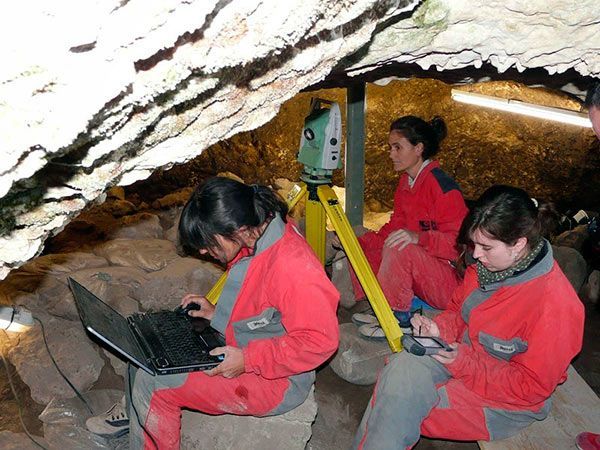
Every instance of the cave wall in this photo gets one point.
(550, 160)
(98, 93)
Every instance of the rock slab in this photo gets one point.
(290, 431)
(358, 360)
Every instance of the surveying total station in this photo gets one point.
(320, 154)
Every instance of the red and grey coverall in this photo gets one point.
(516, 340)
(434, 208)
(278, 306)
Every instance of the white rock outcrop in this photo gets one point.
(99, 93)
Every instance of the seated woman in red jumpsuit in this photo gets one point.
(514, 325)
(277, 312)
(413, 253)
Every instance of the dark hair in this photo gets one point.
(592, 97)
(417, 130)
(221, 206)
(504, 213)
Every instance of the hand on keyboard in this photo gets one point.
(197, 306)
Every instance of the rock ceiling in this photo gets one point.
(97, 93)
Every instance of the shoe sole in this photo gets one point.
(359, 323)
(118, 434)
(372, 338)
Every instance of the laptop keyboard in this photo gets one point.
(172, 332)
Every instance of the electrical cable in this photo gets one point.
(137, 416)
(60, 371)
(14, 392)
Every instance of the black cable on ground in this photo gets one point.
(14, 392)
(60, 371)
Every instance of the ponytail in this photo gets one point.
(416, 130)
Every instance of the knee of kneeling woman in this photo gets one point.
(408, 253)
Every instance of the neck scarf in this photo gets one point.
(486, 276)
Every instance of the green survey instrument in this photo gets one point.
(320, 154)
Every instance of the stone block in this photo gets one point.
(591, 289)
(572, 238)
(73, 352)
(64, 422)
(165, 288)
(147, 254)
(358, 360)
(572, 264)
(138, 226)
(113, 285)
(19, 441)
(290, 431)
(340, 277)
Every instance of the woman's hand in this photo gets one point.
(232, 365)
(207, 309)
(424, 326)
(446, 357)
(401, 238)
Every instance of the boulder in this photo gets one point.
(19, 441)
(138, 226)
(172, 234)
(178, 198)
(340, 277)
(165, 288)
(358, 360)
(114, 285)
(117, 192)
(44, 270)
(118, 208)
(64, 422)
(169, 217)
(572, 238)
(72, 350)
(572, 264)
(146, 254)
(591, 289)
(290, 431)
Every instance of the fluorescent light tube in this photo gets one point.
(527, 109)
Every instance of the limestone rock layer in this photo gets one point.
(98, 93)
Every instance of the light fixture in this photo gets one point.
(15, 319)
(518, 107)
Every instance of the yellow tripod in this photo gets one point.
(322, 203)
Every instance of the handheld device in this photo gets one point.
(424, 345)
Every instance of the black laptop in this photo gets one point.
(161, 342)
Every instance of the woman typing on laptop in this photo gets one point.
(277, 312)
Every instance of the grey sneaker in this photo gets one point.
(372, 331)
(113, 423)
(364, 319)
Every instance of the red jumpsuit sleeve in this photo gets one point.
(450, 321)
(530, 377)
(307, 302)
(450, 210)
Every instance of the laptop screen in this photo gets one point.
(106, 323)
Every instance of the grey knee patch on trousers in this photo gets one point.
(502, 423)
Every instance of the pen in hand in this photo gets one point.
(419, 330)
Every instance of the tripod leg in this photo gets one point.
(315, 227)
(361, 266)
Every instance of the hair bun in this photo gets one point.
(439, 127)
